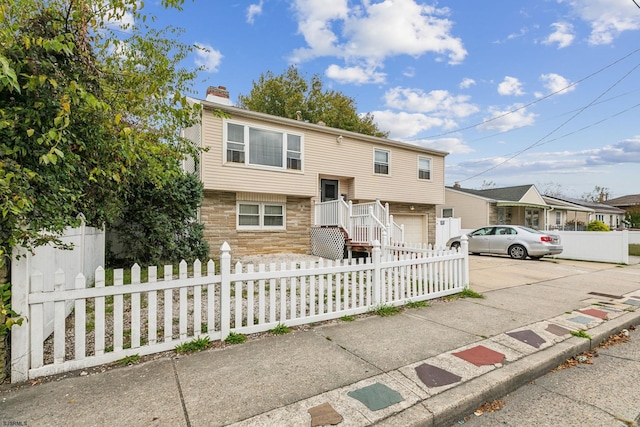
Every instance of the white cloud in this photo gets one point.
(374, 31)
(580, 163)
(450, 145)
(513, 117)
(563, 35)
(510, 86)
(406, 125)
(466, 83)
(607, 18)
(357, 75)
(207, 57)
(555, 83)
(627, 151)
(440, 103)
(253, 11)
(118, 18)
(409, 72)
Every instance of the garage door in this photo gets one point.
(414, 227)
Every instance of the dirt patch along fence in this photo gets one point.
(112, 321)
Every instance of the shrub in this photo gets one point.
(597, 226)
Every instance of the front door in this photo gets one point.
(329, 190)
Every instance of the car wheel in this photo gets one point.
(517, 252)
(455, 245)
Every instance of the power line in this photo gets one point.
(619, 113)
(539, 141)
(530, 103)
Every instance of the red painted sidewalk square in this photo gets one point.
(480, 355)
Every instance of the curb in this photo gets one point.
(446, 408)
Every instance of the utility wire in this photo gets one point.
(619, 113)
(539, 141)
(559, 115)
(530, 103)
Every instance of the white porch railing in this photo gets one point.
(363, 222)
(111, 322)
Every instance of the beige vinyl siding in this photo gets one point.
(239, 178)
(532, 196)
(350, 161)
(473, 210)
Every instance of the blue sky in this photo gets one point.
(518, 92)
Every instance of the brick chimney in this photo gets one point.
(218, 94)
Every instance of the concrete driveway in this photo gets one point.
(492, 272)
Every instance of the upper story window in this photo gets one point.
(381, 162)
(424, 168)
(263, 147)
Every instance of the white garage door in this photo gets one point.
(414, 227)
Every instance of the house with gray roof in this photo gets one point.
(518, 205)
(568, 213)
(524, 205)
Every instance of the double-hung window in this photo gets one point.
(381, 162)
(261, 216)
(424, 168)
(260, 147)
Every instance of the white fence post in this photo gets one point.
(377, 272)
(225, 291)
(20, 271)
(464, 247)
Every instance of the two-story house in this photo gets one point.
(273, 184)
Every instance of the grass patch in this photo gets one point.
(581, 334)
(634, 250)
(193, 346)
(466, 293)
(348, 318)
(417, 304)
(280, 329)
(385, 310)
(234, 338)
(129, 360)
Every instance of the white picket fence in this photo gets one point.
(109, 323)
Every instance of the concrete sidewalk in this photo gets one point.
(425, 366)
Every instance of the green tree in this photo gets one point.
(158, 224)
(81, 121)
(290, 95)
(632, 216)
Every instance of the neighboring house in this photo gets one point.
(581, 212)
(627, 203)
(565, 215)
(519, 205)
(273, 184)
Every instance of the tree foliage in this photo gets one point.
(158, 224)
(90, 110)
(81, 121)
(289, 95)
(632, 216)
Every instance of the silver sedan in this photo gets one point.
(514, 240)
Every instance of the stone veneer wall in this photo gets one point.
(218, 214)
